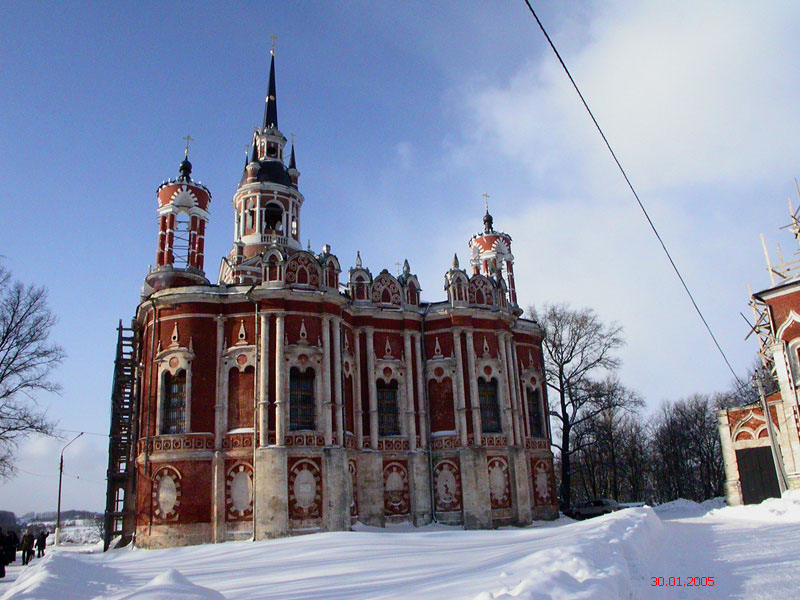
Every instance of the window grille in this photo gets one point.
(388, 418)
(175, 403)
(490, 410)
(301, 399)
(535, 413)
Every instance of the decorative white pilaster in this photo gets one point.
(411, 425)
(523, 399)
(423, 414)
(337, 377)
(281, 414)
(507, 409)
(473, 391)
(219, 404)
(358, 413)
(263, 383)
(461, 397)
(326, 381)
(373, 392)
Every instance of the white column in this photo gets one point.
(373, 392)
(258, 214)
(515, 401)
(326, 381)
(423, 415)
(219, 404)
(508, 413)
(411, 426)
(281, 414)
(357, 411)
(473, 391)
(263, 383)
(461, 397)
(523, 400)
(337, 380)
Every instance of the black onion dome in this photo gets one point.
(185, 168)
(273, 171)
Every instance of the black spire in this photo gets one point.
(254, 154)
(292, 163)
(271, 108)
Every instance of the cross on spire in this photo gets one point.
(486, 200)
(274, 39)
(187, 139)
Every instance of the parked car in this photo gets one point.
(593, 508)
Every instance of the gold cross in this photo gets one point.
(188, 139)
(486, 200)
(291, 134)
(274, 39)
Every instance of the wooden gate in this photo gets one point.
(757, 474)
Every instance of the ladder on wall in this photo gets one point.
(119, 517)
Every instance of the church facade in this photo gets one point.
(290, 397)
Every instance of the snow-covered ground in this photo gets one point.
(750, 552)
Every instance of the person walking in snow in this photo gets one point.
(10, 545)
(27, 547)
(3, 538)
(41, 543)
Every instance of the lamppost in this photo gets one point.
(60, 475)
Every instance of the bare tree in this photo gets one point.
(578, 352)
(686, 450)
(26, 361)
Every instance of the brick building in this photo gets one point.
(762, 456)
(291, 398)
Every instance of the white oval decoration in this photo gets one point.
(241, 491)
(167, 494)
(305, 489)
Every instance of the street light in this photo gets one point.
(60, 474)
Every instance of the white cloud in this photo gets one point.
(688, 93)
(699, 102)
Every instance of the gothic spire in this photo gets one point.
(292, 162)
(271, 108)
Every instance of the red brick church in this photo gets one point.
(290, 398)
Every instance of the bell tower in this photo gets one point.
(182, 217)
(491, 254)
(267, 202)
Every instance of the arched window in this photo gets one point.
(388, 418)
(174, 403)
(272, 269)
(535, 413)
(273, 217)
(240, 398)
(490, 409)
(301, 399)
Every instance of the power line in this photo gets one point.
(65, 475)
(83, 432)
(635, 195)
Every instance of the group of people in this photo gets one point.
(10, 543)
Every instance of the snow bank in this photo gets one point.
(172, 586)
(599, 559)
(783, 509)
(63, 576)
(604, 561)
(679, 508)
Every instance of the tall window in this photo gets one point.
(174, 403)
(490, 410)
(301, 399)
(388, 419)
(535, 413)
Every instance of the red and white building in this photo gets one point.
(762, 455)
(289, 397)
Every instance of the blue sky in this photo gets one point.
(405, 113)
